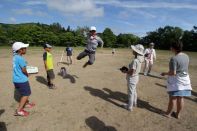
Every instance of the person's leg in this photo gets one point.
(131, 95)
(145, 66)
(91, 59)
(23, 101)
(135, 98)
(171, 103)
(180, 104)
(150, 65)
(68, 60)
(71, 61)
(52, 77)
(82, 55)
(48, 79)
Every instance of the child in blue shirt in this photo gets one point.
(20, 78)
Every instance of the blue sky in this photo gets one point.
(122, 16)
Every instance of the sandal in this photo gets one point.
(21, 113)
(174, 114)
(30, 105)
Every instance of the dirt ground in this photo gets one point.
(89, 99)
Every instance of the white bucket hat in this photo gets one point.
(18, 45)
(138, 49)
(92, 28)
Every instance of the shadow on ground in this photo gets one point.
(161, 85)
(41, 80)
(72, 78)
(154, 75)
(97, 125)
(2, 124)
(108, 95)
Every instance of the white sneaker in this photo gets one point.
(127, 107)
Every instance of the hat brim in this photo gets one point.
(136, 50)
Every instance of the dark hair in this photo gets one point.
(178, 46)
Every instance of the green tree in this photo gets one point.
(109, 38)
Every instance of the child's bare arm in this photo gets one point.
(24, 70)
(45, 65)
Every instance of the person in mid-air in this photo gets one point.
(90, 50)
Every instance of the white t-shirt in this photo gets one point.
(151, 54)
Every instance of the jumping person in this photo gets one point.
(48, 64)
(20, 78)
(149, 56)
(132, 75)
(90, 50)
(178, 83)
(69, 52)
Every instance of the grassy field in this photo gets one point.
(89, 99)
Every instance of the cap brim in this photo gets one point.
(25, 45)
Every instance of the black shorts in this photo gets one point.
(69, 54)
(50, 74)
(23, 88)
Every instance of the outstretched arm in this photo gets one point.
(100, 42)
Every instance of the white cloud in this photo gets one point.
(125, 23)
(12, 20)
(137, 4)
(23, 11)
(85, 8)
(126, 14)
(27, 11)
(35, 2)
(143, 13)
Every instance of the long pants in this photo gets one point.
(148, 66)
(87, 53)
(132, 93)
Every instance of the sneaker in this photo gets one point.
(145, 74)
(125, 106)
(21, 113)
(135, 104)
(52, 86)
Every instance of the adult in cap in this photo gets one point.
(132, 75)
(92, 42)
(150, 56)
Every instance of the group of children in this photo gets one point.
(20, 75)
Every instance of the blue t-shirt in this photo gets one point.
(18, 75)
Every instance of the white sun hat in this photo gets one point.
(92, 28)
(138, 49)
(18, 45)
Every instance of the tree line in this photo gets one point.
(37, 34)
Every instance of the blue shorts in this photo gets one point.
(23, 88)
(180, 93)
